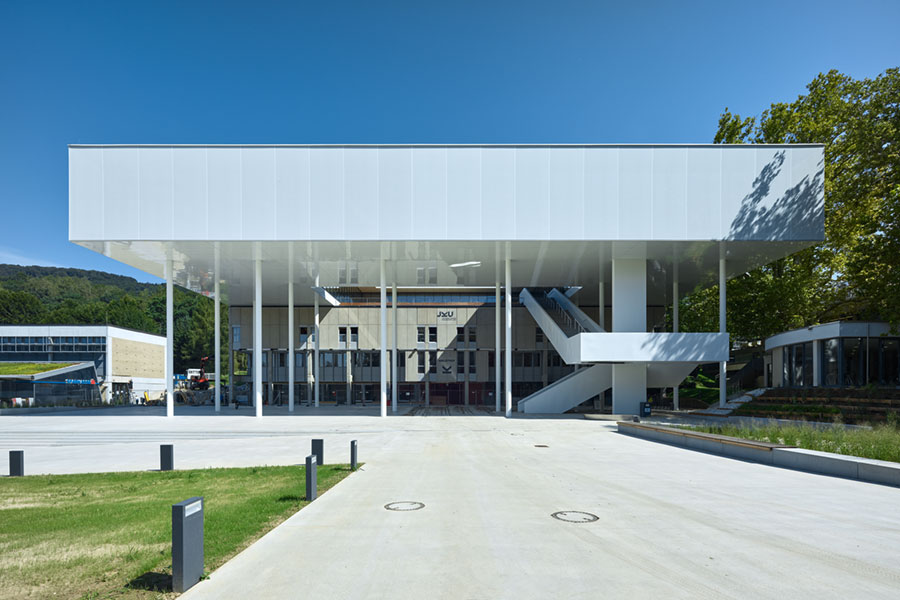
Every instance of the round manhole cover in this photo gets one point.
(574, 516)
(402, 506)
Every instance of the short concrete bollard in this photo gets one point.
(166, 457)
(311, 483)
(187, 543)
(318, 448)
(352, 455)
(16, 463)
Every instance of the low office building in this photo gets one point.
(587, 245)
(838, 354)
(124, 361)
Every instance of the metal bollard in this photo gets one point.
(166, 457)
(318, 448)
(352, 455)
(187, 543)
(311, 484)
(16, 463)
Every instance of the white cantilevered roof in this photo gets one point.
(562, 208)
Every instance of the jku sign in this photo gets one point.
(446, 316)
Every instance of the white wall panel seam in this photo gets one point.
(205, 187)
(720, 221)
(615, 204)
(241, 191)
(140, 197)
(103, 193)
(684, 205)
(652, 190)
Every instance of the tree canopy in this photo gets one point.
(853, 273)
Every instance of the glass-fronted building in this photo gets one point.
(839, 354)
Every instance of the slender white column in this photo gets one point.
(497, 350)
(316, 352)
(722, 371)
(394, 383)
(218, 342)
(170, 344)
(675, 322)
(601, 317)
(290, 321)
(257, 339)
(629, 314)
(383, 290)
(508, 365)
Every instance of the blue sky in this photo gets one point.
(390, 72)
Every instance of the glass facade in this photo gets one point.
(845, 362)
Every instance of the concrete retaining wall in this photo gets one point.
(788, 457)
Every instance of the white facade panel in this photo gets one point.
(157, 219)
(430, 210)
(86, 213)
(187, 192)
(258, 193)
(532, 183)
(635, 192)
(498, 194)
(326, 168)
(565, 187)
(464, 194)
(601, 194)
(803, 207)
(433, 193)
(738, 196)
(292, 205)
(224, 185)
(704, 193)
(121, 194)
(669, 194)
(395, 194)
(361, 192)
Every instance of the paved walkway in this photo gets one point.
(672, 523)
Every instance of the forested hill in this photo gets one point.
(11, 275)
(54, 296)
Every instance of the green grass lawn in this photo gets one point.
(29, 368)
(108, 535)
(881, 442)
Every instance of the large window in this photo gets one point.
(890, 362)
(830, 364)
(853, 362)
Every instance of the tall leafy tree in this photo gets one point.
(853, 274)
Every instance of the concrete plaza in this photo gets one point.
(672, 523)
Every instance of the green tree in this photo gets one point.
(20, 308)
(853, 274)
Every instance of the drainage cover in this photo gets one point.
(575, 516)
(401, 506)
(541, 446)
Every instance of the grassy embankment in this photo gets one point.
(108, 535)
(881, 442)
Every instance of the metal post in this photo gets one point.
(311, 487)
(394, 383)
(218, 335)
(383, 290)
(353, 462)
(170, 342)
(187, 543)
(722, 370)
(16, 463)
(318, 448)
(290, 321)
(497, 319)
(675, 402)
(230, 358)
(508, 366)
(166, 457)
(316, 353)
(257, 339)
